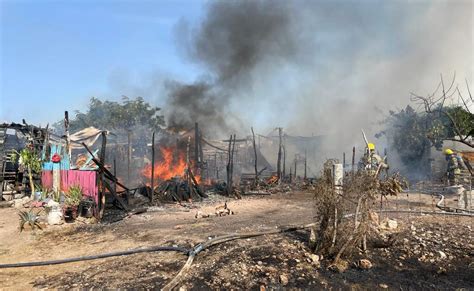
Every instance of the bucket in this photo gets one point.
(37, 196)
(86, 208)
(55, 215)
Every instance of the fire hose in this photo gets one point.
(451, 209)
(95, 257)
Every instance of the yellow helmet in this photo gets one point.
(448, 152)
(371, 146)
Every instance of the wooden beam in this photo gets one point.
(108, 174)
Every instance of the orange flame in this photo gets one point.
(167, 168)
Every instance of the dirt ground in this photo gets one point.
(431, 251)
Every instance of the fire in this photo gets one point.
(168, 167)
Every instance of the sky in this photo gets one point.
(55, 55)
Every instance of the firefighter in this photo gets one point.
(453, 170)
(372, 161)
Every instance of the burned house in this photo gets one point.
(13, 138)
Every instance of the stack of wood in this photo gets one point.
(179, 189)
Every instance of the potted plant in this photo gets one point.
(73, 198)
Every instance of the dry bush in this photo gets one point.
(343, 215)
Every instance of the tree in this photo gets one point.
(131, 116)
(407, 133)
(29, 158)
(116, 116)
(451, 119)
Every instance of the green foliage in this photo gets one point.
(117, 116)
(463, 121)
(74, 195)
(56, 196)
(28, 157)
(411, 134)
(408, 133)
(29, 217)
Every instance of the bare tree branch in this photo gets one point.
(439, 105)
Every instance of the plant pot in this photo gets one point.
(86, 208)
(70, 213)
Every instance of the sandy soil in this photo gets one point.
(270, 261)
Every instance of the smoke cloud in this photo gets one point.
(317, 67)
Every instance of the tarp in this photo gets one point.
(87, 135)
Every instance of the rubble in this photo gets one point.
(389, 224)
(284, 280)
(364, 264)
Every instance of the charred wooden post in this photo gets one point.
(284, 161)
(353, 158)
(188, 169)
(129, 154)
(305, 165)
(115, 183)
(216, 167)
(255, 153)
(201, 152)
(279, 154)
(232, 166)
(101, 199)
(196, 147)
(296, 161)
(291, 175)
(107, 173)
(66, 130)
(343, 160)
(152, 182)
(229, 153)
